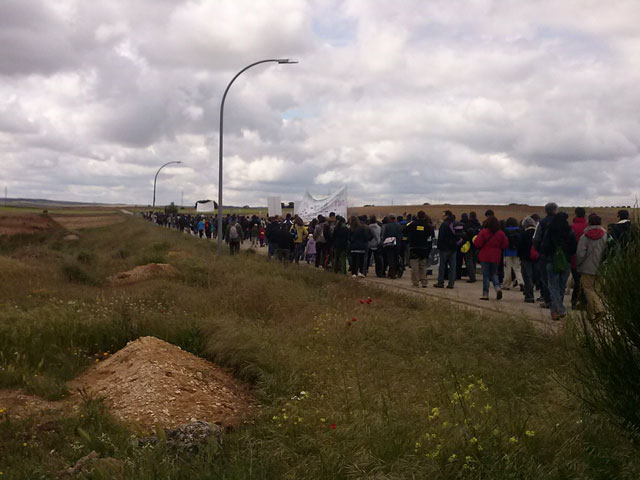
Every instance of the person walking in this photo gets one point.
(447, 246)
(270, 235)
(551, 209)
(255, 232)
(310, 250)
(391, 240)
(420, 237)
(591, 247)
(374, 250)
(578, 226)
(284, 243)
(234, 236)
(491, 241)
(528, 258)
(511, 259)
(300, 235)
(557, 246)
(340, 245)
(621, 231)
(360, 236)
(321, 241)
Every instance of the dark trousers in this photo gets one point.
(391, 254)
(577, 297)
(234, 247)
(357, 263)
(376, 256)
(544, 281)
(447, 259)
(470, 262)
(340, 260)
(321, 253)
(526, 267)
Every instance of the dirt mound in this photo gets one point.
(142, 273)
(153, 382)
(17, 404)
(25, 223)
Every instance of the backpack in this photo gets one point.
(560, 262)
(233, 232)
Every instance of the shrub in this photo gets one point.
(75, 273)
(608, 347)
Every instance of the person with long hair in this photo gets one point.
(491, 241)
(558, 245)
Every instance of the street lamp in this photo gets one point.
(156, 178)
(276, 60)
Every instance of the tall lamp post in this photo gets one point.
(156, 179)
(275, 60)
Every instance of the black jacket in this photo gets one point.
(360, 238)
(447, 239)
(558, 234)
(340, 237)
(525, 243)
(420, 234)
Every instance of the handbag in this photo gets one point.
(533, 254)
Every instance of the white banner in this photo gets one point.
(275, 206)
(205, 207)
(308, 208)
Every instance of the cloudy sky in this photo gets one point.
(475, 101)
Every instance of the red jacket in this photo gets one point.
(578, 225)
(491, 245)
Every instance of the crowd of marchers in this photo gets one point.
(535, 256)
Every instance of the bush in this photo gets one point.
(75, 273)
(608, 347)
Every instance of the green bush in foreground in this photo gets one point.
(608, 353)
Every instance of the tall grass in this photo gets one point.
(410, 389)
(608, 353)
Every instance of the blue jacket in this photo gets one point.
(513, 235)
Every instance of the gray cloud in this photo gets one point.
(421, 101)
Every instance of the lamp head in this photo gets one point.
(286, 60)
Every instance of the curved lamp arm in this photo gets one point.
(224, 97)
(156, 179)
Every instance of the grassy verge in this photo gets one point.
(398, 388)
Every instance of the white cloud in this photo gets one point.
(457, 101)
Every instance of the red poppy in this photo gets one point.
(353, 319)
(333, 426)
(361, 301)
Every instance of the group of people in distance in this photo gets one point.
(533, 254)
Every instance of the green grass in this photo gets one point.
(414, 388)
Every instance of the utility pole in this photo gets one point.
(182, 200)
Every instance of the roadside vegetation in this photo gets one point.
(353, 382)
